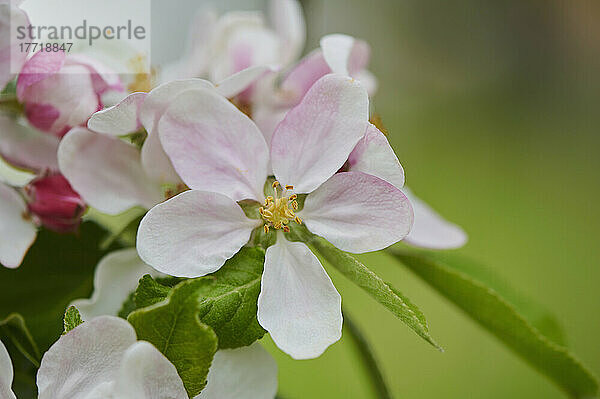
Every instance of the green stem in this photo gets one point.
(368, 357)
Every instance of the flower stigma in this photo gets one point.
(278, 209)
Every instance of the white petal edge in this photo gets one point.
(240, 81)
(298, 304)
(374, 155)
(193, 233)
(145, 373)
(214, 146)
(358, 212)
(106, 172)
(116, 276)
(288, 21)
(430, 229)
(84, 359)
(6, 374)
(243, 373)
(336, 50)
(119, 119)
(317, 136)
(17, 232)
(14, 177)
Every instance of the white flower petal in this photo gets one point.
(120, 119)
(358, 212)
(14, 177)
(298, 304)
(106, 172)
(116, 276)
(239, 81)
(316, 138)
(146, 373)
(430, 229)
(26, 147)
(6, 374)
(336, 50)
(214, 146)
(243, 373)
(193, 233)
(156, 163)
(84, 359)
(18, 233)
(288, 21)
(374, 156)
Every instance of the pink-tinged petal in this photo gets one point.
(336, 51)
(120, 119)
(288, 21)
(267, 118)
(359, 57)
(156, 163)
(145, 373)
(298, 304)
(39, 67)
(374, 156)
(240, 81)
(6, 374)
(106, 171)
(430, 229)
(243, 373)
(303, 76)
(159, 99)
(12, 58)
(42, 116)
(316, 137)
(26, 147)
(17, 230)
(116, 276)
(213, 146)
(71, 92)
(193, 233)
(84, 359)
(358, 213)
(368, 80)
(103, 78)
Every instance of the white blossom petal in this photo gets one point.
(193, 233)
(336, 50)
(14, 177)
(6, 374)
(288, 21)
(84, 359)
(358, 212)
(298, 304)
(214, 146)
(374, 155)
(243, 373)
(430, 229)
(239, 81)
(145, 373)
(106, 172)
(316, 137)
(26, 147)
(116, 276)
(17, 232)
(119, 119)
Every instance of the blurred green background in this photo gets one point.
(494, 111)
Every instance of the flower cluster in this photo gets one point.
(242, 144)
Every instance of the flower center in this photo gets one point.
(279, 208)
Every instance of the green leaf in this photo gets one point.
(150, 292)
(13, 328)
(382, 292)
(57, 269)
(486, 306)
(174, 328)
(226, 300)
(72, 319)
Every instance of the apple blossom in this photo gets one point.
(62, 91)
(240, 373)
(223, 157)
(6, 374)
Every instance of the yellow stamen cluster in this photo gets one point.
(278, 210)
